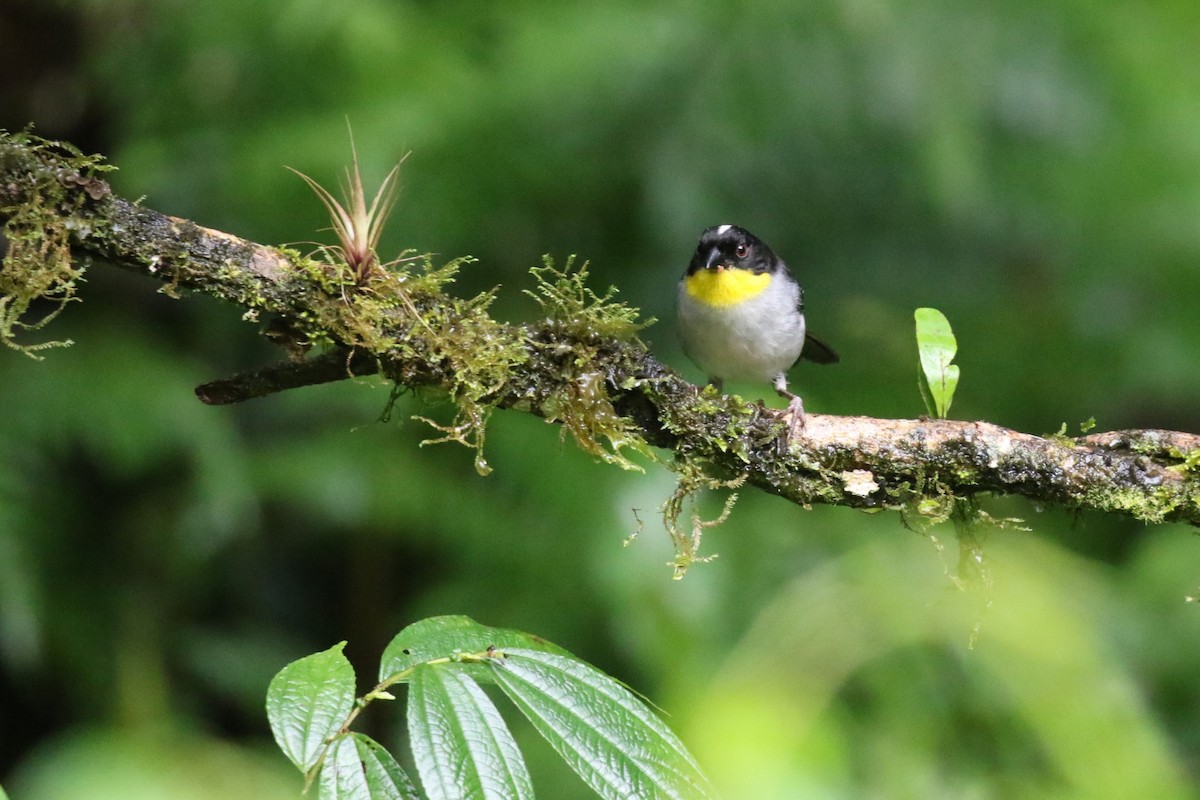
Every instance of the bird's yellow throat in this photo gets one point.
(726, 287)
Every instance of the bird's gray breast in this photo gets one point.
(752, 341)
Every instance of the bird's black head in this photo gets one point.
(728, 246)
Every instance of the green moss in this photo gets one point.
(581, 333)
(725, 418)
(401, 312)
(566, 298)
(930, 501)
(687, 537)
(480, 354)
(38, 265)
(1153, 506)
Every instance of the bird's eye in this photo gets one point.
(742, 250)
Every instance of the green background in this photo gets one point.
(1030, 168)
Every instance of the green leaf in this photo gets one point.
(460, 743)
(936, 346)
(358, 768)
(449, 637)
(614, 742)
(3, 796)
(308, 701)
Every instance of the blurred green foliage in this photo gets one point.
(1030, 168)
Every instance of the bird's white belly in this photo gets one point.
(753, 341)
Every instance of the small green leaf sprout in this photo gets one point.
(936, 347)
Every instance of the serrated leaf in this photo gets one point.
(359, 768)
(936, 347)
(613, 741)
(449, 636)
(308, 701)
(461, 746)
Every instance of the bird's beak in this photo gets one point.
(714, 259)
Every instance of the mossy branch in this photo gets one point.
(582, 366)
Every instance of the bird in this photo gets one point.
(740, 314)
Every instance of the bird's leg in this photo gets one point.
(795, 409)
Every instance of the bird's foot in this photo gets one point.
(794, 415)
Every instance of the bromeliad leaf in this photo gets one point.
(614, 742)
(936, 346)
(460, 743)
(358, 768)
(357, 227)
(308, 701)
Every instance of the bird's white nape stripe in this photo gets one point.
(724, 229)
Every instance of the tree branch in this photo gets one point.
(606, 388)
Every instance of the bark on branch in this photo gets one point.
(564, 372)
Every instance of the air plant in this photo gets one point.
(356, 226)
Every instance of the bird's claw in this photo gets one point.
(795, 418)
